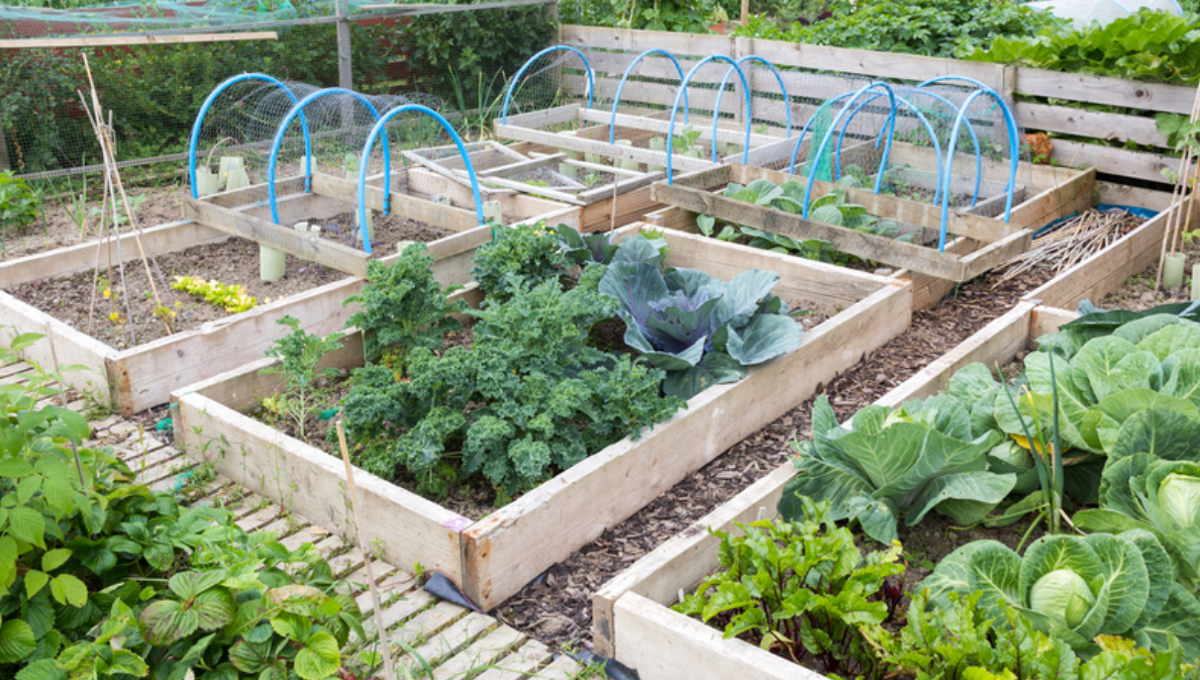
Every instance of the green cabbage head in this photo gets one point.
(1075, 588)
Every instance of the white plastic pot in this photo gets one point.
(236, 179)
(1173, 270)
(207, 182)
(624, 163)
(1196, 282)
(230, 164)
(271, 263)
(657, 144)
(492, 212)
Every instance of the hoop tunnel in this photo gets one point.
(208, 102)
(297, 110)
(889, 124)
(1014, 157)
(787, 101)
(891, 130)
(612, 126)
(381, 126)
(517, 78)
(683, 92)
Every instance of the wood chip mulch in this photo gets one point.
(557, 608)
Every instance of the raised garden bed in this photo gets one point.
(143, 376)
(496, 556)
(981, 244)
(632, 618)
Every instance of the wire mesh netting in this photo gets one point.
(155, 91)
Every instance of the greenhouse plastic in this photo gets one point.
(212, 97)
(366, 154)
(298, 110)
(612, 126)
(683, 93)
(517, 78)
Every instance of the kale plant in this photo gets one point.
(529, 396)
(403, 307)
(701, 330)
(299, 354)
(532, 253)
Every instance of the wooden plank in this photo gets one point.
(443, 644)
(1076, 192)
(665, 645)
(480, 655)
(134, 40)
(1113, 127)
(629, 207)
(1112, 161)
(1048, 320)
(1123, 194)
(686, 558)
(71, 346)
(580, 503)
(325, 252)
(520, 664)
(1082, 87)
(412, 207)
(1107, 270)
(410, 528)
(664, 127)
(603, 148)
(994, 254)
(852, 241)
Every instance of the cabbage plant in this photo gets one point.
(1144, 491)
(701, 330)
(1077, 587)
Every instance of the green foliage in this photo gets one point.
(1179, 131)
(1074, 588)
(930, 27)
(897, 464)
(801, 587)
(581, 249)
(299, 353)
(403, 307)
(19, 205)
(540, 398)
(528, 253)
(1152, 46)
(962, 641)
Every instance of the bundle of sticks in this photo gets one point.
(1072, 242)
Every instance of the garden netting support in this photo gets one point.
(450, 58)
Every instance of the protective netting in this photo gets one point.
(155, 91)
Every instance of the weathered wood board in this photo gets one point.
(498, 555)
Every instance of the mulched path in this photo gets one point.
(557, 607)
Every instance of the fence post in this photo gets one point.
(4, 165)
(345, 68)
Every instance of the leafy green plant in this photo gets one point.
(230, 297)
(580, 248)
(530, 253)
(802, 588)
(402, 307)
(540, 399)
(299, 354)
(961, 640)
(19, 204)
(1074, 588)
(701, 330)
(893, 465)
(1159, 495)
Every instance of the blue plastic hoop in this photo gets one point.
(380, 126)
(517, 78)
(787, 100)
(890, 129)
(297, 110)
(612, 125)
(812, 175)
(208, 102)
(683, 92)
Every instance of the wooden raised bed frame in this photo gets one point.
(632, 619)
(983, 242)
(495, 557)
(144, 376)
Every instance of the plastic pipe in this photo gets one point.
(891, 131)
(380, 126)
(208, 102)
(517, 79)
(812, 176)
(280, 131)
(787, 100)
(683, 92)
(612, 125)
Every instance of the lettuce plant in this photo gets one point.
(701, 330)
(1075, 588)
(894, 465)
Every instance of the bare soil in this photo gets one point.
(235, 261)
(1139, 293)
(556, 608)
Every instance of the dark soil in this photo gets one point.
(557, 608)
(1138, 293)
(235, 261)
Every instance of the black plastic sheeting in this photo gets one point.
(612, 668)
(444, 587)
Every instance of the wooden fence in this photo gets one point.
(1009, 81)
